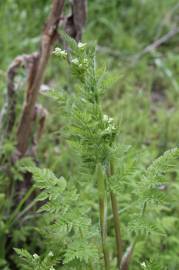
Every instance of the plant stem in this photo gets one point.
(2, 246)
(116, 221)
(26, 209)
(102, 213)
(116, 227)
(19, 206)
(103, 232)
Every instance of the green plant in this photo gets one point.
(69, 224)
(143, 103)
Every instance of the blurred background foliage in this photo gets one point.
(144, 98)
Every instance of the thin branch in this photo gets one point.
(148, 49)
(157, 43)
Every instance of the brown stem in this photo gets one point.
(40, 114)
(75, 22)
(36, 75)
(8, 113)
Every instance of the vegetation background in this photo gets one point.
(137, 41)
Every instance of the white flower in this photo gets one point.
(35, 256)
(60, 52)
(81, 45)
(113, 127)
(75, 61)
(105, 117)
(50, 254)
(108, 119)
(143, 265)
(108, 129)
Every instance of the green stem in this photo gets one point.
(2, 246)
(117, 226)
(144, 208)
(102, 213)
(103, 232)
(26, 209)
(18, 208)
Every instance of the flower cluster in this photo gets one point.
(80, 63)
(143, 265)
(81, 45)
(109, 122)
(60, 52)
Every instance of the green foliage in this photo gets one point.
(64, 214)
(162, 165)
(35, 262)
(127, 117)
(93, 135)
(152, 265)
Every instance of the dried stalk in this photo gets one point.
(74, 25)
(8, 113)
(157, 43)
(36, 76)
(75, 22)
(40, 114)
